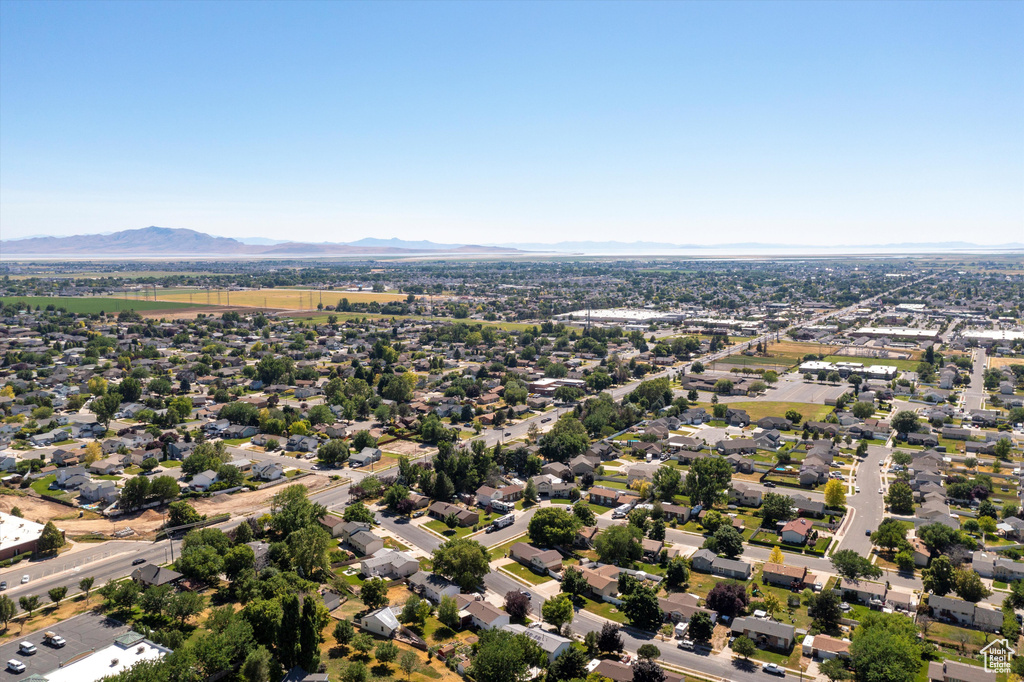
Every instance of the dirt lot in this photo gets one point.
(406, 447)
(149, 521)
(996, 363)
(193, 313)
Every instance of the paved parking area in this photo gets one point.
(83, 633)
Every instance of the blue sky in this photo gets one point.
(822, 123)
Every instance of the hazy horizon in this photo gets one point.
(489, 123)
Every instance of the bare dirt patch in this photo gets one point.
(150, 520)
(407, 447)
(996, 363)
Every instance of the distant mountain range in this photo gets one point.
(167, 242)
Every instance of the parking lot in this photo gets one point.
(83, 633)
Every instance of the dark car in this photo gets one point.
(138, 561)
(3, 585)
(769, 484)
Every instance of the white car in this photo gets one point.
(16, 666)
(856, 488)
(773, 669)
(26, 648)
(25, 579)
(881, 491)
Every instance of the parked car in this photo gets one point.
(686, 644)
(25, 578)
(769, 484)
(53, 639)
(27, 648)
(3, 585)
(15, 666)
(138, 561)
(773, 669)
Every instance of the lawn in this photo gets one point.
(458, 532)
(42, 486)
(89, 306)
(525, 574)
(603, 609)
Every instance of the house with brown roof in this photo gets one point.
(784, 576)
(603, 580)
(541, 560)
(440, 510)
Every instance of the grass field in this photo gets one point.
(768, 408)
(88, 306)
(289, 299)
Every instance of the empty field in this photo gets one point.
(758, 409)
(996, 363)
(287, 299)
(88, 306)
(905, 365)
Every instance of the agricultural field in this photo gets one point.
(89, 306)
(287, 299)
(321, 318)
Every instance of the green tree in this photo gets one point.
(357, 511)
(776, 507)
(463, 561)
(310, 627)
(557, 611)
(503, 656)
(50, 540)
(573, 582)
(155, 598)
(642, 608)
(834, 669)
(29, 603)
(571, 664)
(566, 439)
(825, 609)
(291, 510)
(309, 547)
(900, 499)
(344, 632)
(185, 605)
(374, 593)
(677, 572)
(257, 665)
(56, 594)
(863, 410)
(85, 585)
(667, 482)
(968, 585)
(853, 566)
(551, 526)
(707, 480)
(890, 534)
(448, 612)
(744, 646)
(618, 543)
(904, 422)
(355, 671)
(701, 627)
(362, 643)
(7, 609)
(582, 511)
(386, 652)
(726, 540)
(940, 577)
(886, 647)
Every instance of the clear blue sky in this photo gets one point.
(484, 122)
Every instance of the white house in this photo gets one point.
(380, 622)
(203, 480)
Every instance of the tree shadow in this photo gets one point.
(381, 671)
(338, 651)
(744, 664)
(442, 633)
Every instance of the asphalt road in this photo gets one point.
(868, 505)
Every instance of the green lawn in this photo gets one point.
(457, 532)
(88, 306)
(603, 609)
(523, 573)
(42, 486)
(769, 408)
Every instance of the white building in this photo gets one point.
(127, 650)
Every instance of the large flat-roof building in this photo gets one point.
(126, 650)
(17, 535)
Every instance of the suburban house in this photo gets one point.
(332, 524)
(102, 490)
(553, 645)
(381, 622)
(964, 613)
(267, 471)
(365, 542)
(783, 575)
(485, 615)
(203, 480)
(745, 494)
(432, 586)
(389, 563)
(536, 559)
(440, 510)
(485, 494)
(954, 671)
(862, 591)
(151, 574)
(603, 580)
(679, 607)
(824, 647)
(765, 633)
(997, 567)
(798, 532)
(365, 456)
